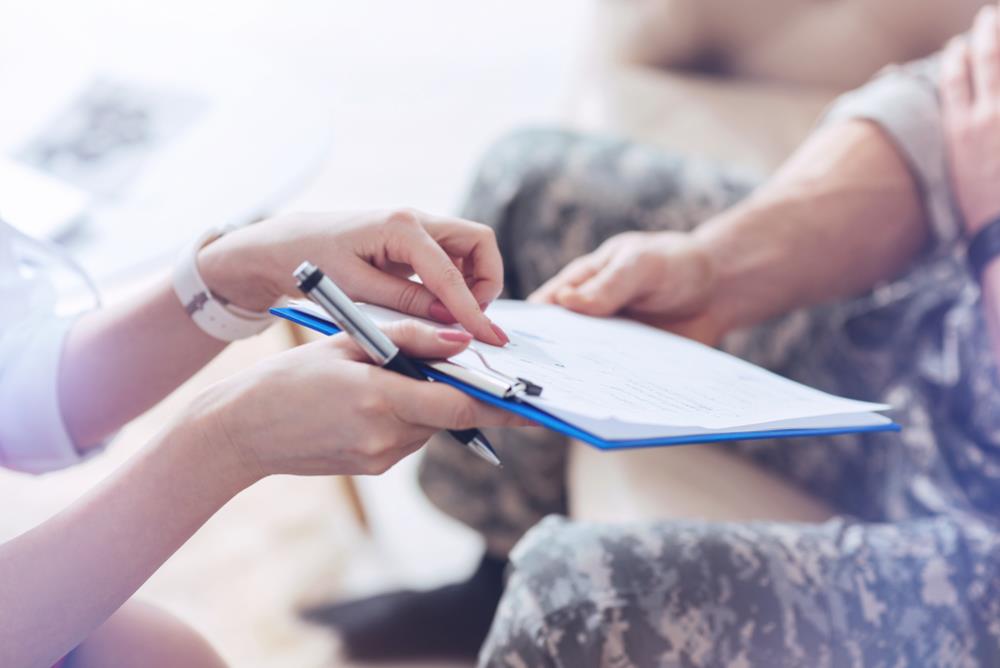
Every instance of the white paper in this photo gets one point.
(621, 379)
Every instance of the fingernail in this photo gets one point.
(440, 312)
(454, 336)
(502, 335)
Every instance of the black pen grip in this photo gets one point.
(400, 363)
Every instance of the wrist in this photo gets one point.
(212, 443)
(235, 272)
(732, 264)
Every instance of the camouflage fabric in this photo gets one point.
(551, 197)
(906, 577)
(914, 593)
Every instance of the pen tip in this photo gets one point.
(484, 450)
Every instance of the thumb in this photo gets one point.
(423, 341)
(605, 293)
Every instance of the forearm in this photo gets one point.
(120, 361)
(842, 215)
(62, 579)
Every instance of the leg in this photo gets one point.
(142, 635)
(761, 594)
(694, 483)
(551, 196)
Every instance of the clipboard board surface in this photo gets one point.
(556, 424)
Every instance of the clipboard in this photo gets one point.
(504, 392)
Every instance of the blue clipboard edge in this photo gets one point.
(546, 420)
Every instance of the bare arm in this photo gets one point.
(62, 579)
(841, 215)
(66, 576)
(118, 362)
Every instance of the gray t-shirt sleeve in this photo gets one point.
(903, 100)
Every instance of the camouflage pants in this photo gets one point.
(908, 576)
(552, 197)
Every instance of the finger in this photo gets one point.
(441, 406)
(572, 275)
(422, 341)
(409, 242)
(607, 292)
(376, 286)
(475, 246)
(986, 56)
(415, 339)
(956, 85)
(440, 275)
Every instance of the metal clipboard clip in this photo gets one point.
(489, 381)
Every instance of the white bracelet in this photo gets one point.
(212, 314)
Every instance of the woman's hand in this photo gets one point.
(317, 409)
(970, 90)
(662, 278)
(322, 409)
(371, 255)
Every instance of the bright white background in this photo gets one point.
(413, 92)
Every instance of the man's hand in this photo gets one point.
(371, 255)
(970, 91)
(662, 278)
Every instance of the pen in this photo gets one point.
(379, 347)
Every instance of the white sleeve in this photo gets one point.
(33, 436)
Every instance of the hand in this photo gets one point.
(321, 409)
(370, 255)
(970, 90)
(662, 278)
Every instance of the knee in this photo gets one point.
(561, 566)
(529, 187)
(542, 584)
(568, 598)
(521, 163)
(576, 588)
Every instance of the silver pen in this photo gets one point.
(379, 347)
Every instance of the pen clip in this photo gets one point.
(517, 385)
(489, 381)
(531, 389)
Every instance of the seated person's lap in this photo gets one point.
(710, 593)
(719, 594)
(551, 196)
